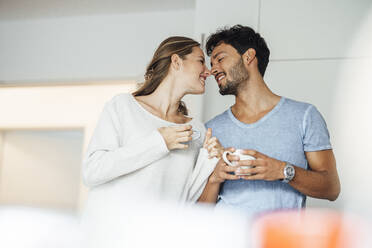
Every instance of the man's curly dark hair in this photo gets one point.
(241, 38)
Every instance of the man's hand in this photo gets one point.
(319, 181)
(265, 168)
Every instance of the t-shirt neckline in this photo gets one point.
(260, 121)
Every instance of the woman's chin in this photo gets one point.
(196, 91)
(201, 91)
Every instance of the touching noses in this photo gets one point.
(206, 72)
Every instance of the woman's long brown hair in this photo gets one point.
(158, 68)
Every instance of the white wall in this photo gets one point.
(352, 120)
(42, 108)
(86, 47)
(41, 168)
(89, 48)
(310, 41)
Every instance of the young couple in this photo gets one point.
(145, 145)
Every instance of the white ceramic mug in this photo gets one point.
(238, 153)
(195, 135)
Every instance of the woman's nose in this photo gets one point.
(207, 72)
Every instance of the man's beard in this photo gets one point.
(239, 74)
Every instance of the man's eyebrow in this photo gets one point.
(215, 56)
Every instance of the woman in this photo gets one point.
(145, 146)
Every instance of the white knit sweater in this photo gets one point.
(128, 158)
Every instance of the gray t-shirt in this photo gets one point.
(289, 130)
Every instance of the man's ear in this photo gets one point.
(175, 61)
(249, 56)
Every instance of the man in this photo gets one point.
(289, 139)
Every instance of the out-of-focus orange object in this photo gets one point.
(306, 229)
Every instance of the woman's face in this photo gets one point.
(194, 72)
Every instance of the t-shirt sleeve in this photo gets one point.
(315, 131)
(207, 125)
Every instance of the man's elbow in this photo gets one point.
(333, 186)
(333, 197)
(334, 193)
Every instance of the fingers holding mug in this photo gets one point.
(175, 137)
(231, 159)
(223, 172)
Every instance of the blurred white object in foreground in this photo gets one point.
(163, 225)
(25, 227)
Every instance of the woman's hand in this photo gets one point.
(212, 144)
(223, 172)
(176, 135)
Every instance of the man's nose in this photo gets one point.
(214, 71)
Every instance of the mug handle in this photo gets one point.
(224, 157)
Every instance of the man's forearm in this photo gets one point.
(319, 181)
(317, 184)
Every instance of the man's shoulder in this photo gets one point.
(217, 119)
(297, 106)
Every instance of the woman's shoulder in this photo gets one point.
(119, 104)
(120, 100)
(122, 97)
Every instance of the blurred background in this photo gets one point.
(60, 61)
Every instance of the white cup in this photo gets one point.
(241, 156)
(195, 134)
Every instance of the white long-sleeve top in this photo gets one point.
(128, 158)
